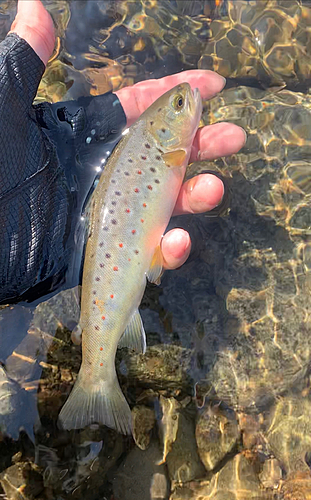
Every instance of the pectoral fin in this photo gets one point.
(155, 271)
(175, 158)
(134, 335)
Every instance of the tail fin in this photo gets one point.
(103, 403)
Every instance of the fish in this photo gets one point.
(129, 211)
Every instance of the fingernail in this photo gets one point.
(224, 81)
(245, 134)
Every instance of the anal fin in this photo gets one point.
(155, 272)
(134, 336)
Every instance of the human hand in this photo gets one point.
(199, 194)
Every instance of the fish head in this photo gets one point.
(173, 119)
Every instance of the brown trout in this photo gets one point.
(129, 212)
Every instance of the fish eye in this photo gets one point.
(178, 102)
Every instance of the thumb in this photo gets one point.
(34, 24)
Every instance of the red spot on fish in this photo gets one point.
(136, 190)
(144, 157)
(142, 220)
(120, 245)
(144, 205)
(129, 260)
(101, 348)
(127, 210)
(111, 296)
(101, 364)
(149, 187)
(133, 231)
(104, 317)
(139, 172)
(116, 268)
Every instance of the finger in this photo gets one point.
(34, 24)
(199, 194)
(176, 246)
(139, 97)
(220, 139)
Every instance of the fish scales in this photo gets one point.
(130, 210)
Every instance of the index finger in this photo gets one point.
(139, 97)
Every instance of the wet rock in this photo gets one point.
(288, 434)
(22, 481)
(143, 420)
(297, 486)
(271, 474)
(141, 476)
(162, 367)
(237, 480)
(179, 445)
(250, 426)
(216, 434)
(79, 464)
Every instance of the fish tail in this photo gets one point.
(102, 402)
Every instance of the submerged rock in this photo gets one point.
(179, 445)
(141, 476)
(216, 433)
(22, 481)
(237, 480)
(143, 420)
(289, 432)
(161, 367)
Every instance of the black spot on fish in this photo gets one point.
(158, 157)
(94, 301)
(118, 193)
(163, 130)
(113, 181)
(113, 203)
(157, 181)
(97, 278)
(114, 222)
(151, 123)
(152, 169)
(101, 265)
(108, 255)
(144, 157)
(101, 244)
(137, 252)
(96, 327)
(118, 170)
(160, 109)
(126, 173)
(94, 292)
(130, 160)
(160, 150)
(147, 145)
(111, 211)
(105, 228)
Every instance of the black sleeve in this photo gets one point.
(46, 154)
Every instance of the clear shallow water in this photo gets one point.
(225, 383)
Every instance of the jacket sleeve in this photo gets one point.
(41, 163)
